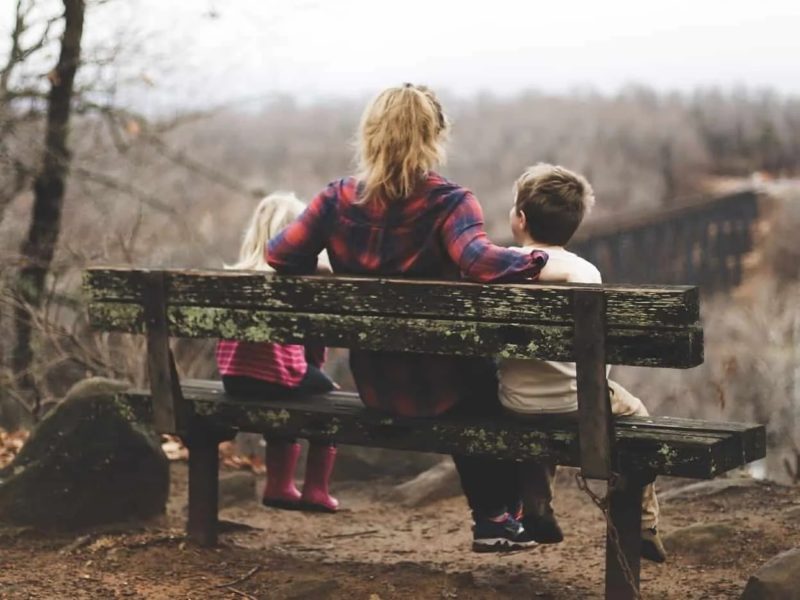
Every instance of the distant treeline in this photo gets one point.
(639, 148)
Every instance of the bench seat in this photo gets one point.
(662, 445)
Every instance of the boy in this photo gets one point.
(549, 205)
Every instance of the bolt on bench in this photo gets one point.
(651, 326)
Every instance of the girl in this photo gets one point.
(267, 369)
(398, 217)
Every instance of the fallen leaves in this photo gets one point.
(229, 456)
(10, 445)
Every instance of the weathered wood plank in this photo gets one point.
(170, 411)
(625, 516)
(642, 446)
(627, 306)
(201, 525)
(594, 407)
(751, 437)
(677, 348)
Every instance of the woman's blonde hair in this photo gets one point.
(401, 138)
(272, 214)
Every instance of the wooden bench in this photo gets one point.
(653, 326)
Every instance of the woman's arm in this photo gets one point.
(479, 259)
(295, 250)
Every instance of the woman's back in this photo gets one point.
(436, 233)
(399, 218)
(398, 238)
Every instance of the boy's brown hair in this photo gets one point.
(554, 201)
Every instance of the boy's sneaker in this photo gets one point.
(652, 547)
(500, 536)
(544, 529)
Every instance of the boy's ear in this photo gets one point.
(523, 219)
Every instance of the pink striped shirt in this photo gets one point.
(282, 364)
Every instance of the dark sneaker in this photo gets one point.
(544, 529)
(502, 536)
(652, 548)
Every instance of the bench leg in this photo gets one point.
(203, 489)
(625, 516)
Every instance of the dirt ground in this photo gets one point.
(376, 550)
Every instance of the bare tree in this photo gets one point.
(37, 250)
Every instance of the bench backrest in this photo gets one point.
(644, 325)
(589, 324)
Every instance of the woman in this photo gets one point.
(398, 217)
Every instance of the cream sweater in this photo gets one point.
(532, 386)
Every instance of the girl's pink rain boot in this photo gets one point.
(280, 491)
(318, 473)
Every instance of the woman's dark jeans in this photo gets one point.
(490, 485)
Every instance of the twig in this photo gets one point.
(80, 542)
(154, 541)
(348, 535)
(241, 579)
(240, 593)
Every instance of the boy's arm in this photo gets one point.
(554, 272)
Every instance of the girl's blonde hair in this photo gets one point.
(272, 214)
(401, 138)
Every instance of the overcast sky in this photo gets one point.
(224, 49)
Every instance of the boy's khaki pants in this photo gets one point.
(538, 477)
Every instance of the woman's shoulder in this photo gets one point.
(441, 186)
(345, 189)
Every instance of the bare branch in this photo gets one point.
(182, 159)
(13, 54)
(126, 188)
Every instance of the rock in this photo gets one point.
(355, 463)
(697, 538)
(301, 590)
(88, 462)
(236, 487)
(709, 488)
(777, 579)
(437, 483)
(792, 514)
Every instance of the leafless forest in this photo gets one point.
(176, 189)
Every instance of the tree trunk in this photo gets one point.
(38, 249)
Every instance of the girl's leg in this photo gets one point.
(280, 490)
(321, 456)
(319, 467)
(316, 381)
(281, 454)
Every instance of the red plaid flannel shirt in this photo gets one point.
(437, 233)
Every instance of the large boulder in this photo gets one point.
(88, 462)
(699, 538)
(777, 579)
(437, 483)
